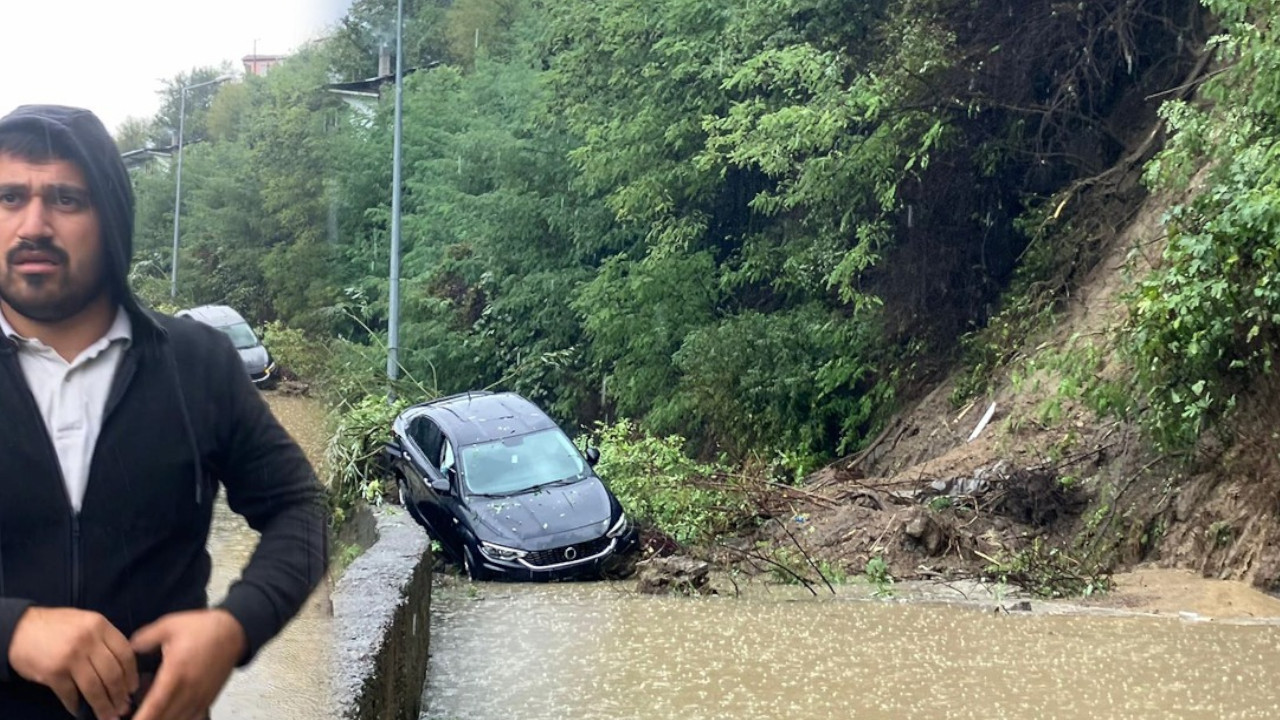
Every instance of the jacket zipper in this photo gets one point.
(75, 559)
(124, 373)
(52, 453)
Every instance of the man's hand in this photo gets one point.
(75, 653)
(200, 648)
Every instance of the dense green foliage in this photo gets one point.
(353, 456)
(662, 488)
(740, 222)
(1206, 323)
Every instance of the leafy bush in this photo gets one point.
(343, 371)
(295, 351)
(353, 456)
(659, 485)
(1206, 322)
(1207, 319)
(154, 293)
(879, 577)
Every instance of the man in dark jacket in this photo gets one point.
(117, 425)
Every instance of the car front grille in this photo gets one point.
(562, 555)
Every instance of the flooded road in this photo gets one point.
(585, 651)
(290, 677)
(598, 650)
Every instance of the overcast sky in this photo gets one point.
(110, 57)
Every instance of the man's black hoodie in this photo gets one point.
(181, 418)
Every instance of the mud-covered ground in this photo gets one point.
(1027, 477)
(305, 419)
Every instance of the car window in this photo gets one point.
(515, 464)
(446, 459)
(426, 434)
(242, 335)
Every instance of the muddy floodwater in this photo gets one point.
(290, 677)
(584, 651)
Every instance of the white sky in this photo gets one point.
(110, 55)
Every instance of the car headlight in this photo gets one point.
(498, 552)
(620, 527)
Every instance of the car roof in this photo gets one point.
(477, 417)
(215, 315)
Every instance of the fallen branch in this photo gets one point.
(808, 558)
(761, 557)
(1068, 462)
(807, 493)
(1194, 81)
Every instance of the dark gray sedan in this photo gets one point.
(505, 491)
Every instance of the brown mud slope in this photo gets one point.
(1045, 473)
(1224, 519)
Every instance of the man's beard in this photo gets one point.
(73, 296)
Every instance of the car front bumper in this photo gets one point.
(585, 566)
(265, 376)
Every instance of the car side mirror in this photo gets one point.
(441, 485)
(593, 456)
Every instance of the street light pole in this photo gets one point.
(393, 331)
(177, 192)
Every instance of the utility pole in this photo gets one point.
(177, 193)
(177, 199)
(393, 331)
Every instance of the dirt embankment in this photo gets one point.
(1027, 477)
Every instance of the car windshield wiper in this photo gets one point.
(532, 488)
(562, 481)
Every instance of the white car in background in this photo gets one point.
(257, 361)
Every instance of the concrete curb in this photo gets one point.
(381, 622)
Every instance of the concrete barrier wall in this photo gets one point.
(381, 622)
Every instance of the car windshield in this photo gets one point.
(242, 335)
(517, 464)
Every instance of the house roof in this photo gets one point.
(371, 86)
(141, 156)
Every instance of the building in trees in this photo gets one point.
(256, 64)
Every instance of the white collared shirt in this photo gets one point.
(72, 396)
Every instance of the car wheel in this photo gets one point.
(471, 565)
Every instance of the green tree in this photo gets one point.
(134, 133)
(368, 30)
(476, 24)
(1205, 324)
(198, 100)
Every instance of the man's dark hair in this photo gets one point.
(47, 133)
(34, 147)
